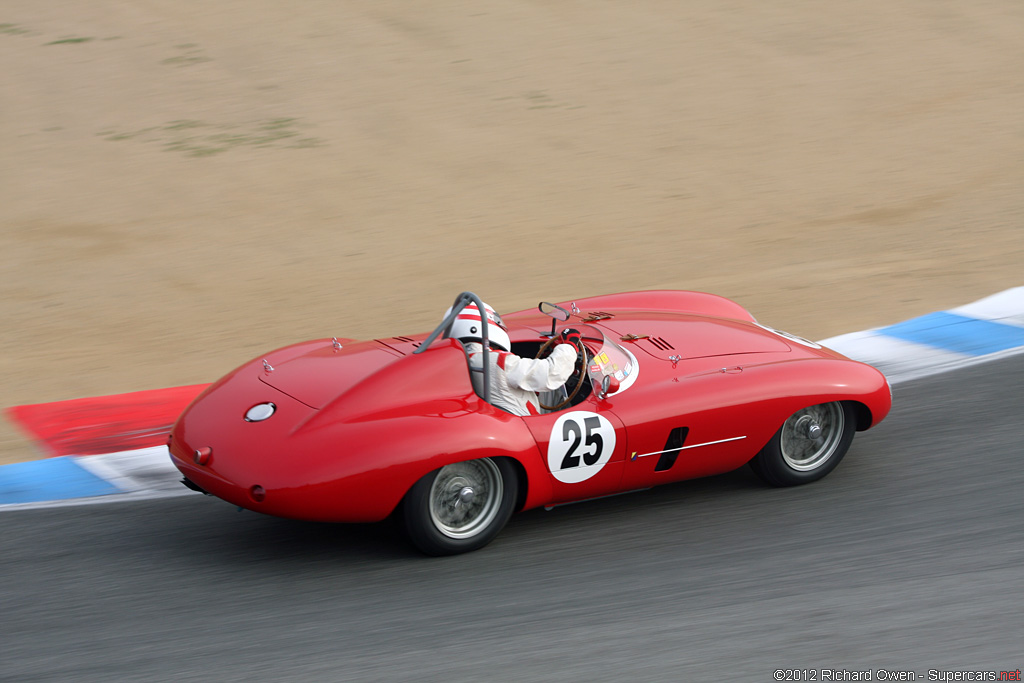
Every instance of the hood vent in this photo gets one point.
(407, 340)
(661, 344)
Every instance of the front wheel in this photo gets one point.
(460, 507)
(808, 446)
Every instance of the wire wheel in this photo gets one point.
(813, 435)
(465, 498)
(809, 445)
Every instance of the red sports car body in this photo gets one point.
(675, 385)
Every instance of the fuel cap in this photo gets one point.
(260, 412)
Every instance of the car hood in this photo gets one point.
(669, 336)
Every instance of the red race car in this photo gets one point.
(668, 385)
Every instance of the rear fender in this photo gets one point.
(417, 415)
(376, 461)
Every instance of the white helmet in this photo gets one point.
(467, 325)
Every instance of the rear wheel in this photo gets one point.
(460, 507)
(808, 446)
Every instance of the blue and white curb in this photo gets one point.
(81, 480)
(938, 342)
(979, 332)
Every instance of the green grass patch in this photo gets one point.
(70, 41)
(201, 139)
(12, 30)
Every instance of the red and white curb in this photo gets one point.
(110, 448)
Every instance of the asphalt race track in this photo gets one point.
(909, 557)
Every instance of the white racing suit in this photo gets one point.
(515, 381)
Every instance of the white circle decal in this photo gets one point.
(581, 443)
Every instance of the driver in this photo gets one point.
(514, 380)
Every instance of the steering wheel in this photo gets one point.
(576, 378)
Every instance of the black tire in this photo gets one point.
(460, 507)
(794, 456)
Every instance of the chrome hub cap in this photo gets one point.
(464, 498)
(807, 426)
(811, 436)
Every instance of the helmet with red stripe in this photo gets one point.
(468, 326)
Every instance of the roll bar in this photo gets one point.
(461, 301)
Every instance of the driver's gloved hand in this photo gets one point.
(569, 336)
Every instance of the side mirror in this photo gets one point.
(609, 385)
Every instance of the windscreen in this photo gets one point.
(608, 359)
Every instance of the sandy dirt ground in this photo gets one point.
(185, 184)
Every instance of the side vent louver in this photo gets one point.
(672, 447)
